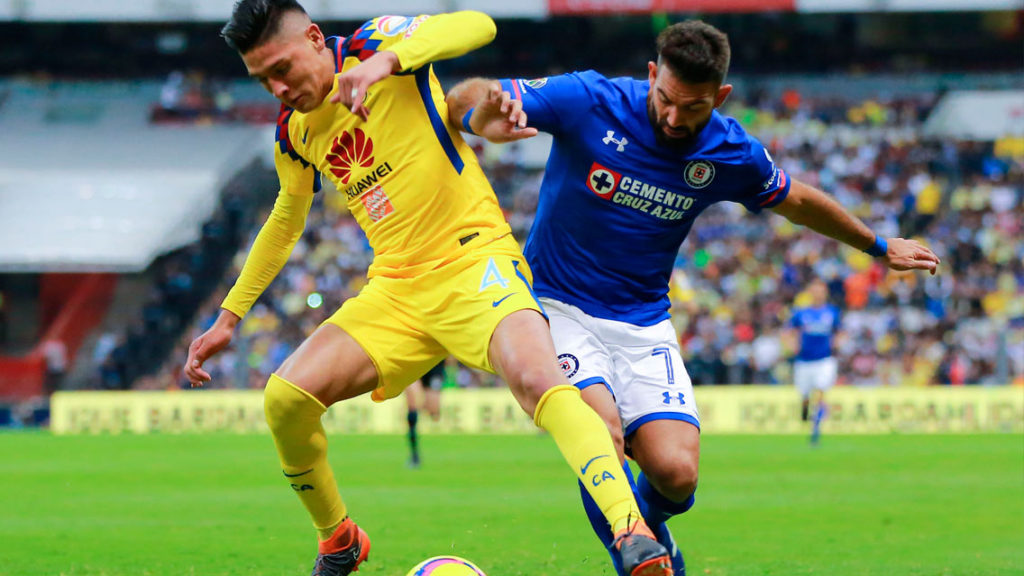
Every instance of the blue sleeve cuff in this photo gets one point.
(879, 248)
(465, 122)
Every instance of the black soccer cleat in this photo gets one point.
(342, 554)
(640, 553)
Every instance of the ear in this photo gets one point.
(316, 36)
(723, 92)
(652, 72)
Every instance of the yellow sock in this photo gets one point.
(294, 419)
(584, 441)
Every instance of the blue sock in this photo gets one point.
(655, 507)
(819, 416)
(600, 524)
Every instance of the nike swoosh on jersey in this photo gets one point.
(497, 302)
(287, 475)
(305, 135)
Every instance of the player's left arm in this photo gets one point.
(407, 47)
(761, 184)
(810, 207)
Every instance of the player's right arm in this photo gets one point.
(495, 115)
(549, 104)
(268, 254)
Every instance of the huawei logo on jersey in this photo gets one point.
(348, 152)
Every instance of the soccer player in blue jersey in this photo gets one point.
(814, 370)
(632, 164)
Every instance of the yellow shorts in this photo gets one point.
(407, 325)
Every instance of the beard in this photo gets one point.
(677, 143)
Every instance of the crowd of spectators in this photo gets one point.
(739, 275)
(181, 281)
(196, 97)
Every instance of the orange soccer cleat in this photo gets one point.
(343, 552)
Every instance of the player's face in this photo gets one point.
(679, 111)
(290, 65)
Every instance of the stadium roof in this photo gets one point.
(87, 184)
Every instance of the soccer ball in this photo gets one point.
(446, 566)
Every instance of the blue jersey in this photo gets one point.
(615, 205)
(816, 326)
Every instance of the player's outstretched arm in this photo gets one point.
(479, 106)
(426, 39)
(269, 252)
(810, 207)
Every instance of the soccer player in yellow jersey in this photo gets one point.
(447, 277)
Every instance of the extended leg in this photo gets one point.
(329, 366)
(521, 351)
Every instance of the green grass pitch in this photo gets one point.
(217, 505)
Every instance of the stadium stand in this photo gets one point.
(738, 275)
(155, 176)
(91, 188)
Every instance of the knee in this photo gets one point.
(277, 409)
(678, 480)
(530, 383)
(286, 406)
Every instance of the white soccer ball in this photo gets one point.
(446, 566)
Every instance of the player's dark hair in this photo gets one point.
(253, 21)
(695, 51)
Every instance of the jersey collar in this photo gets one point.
(336, 44)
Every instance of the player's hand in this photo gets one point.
(499, 118)
(353, 84)
(906, 254)
(206, 345)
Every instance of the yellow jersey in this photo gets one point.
(410, 180)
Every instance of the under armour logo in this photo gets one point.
(668, 398)
(611, 138)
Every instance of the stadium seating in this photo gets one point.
(738, 275)
(88, 183)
